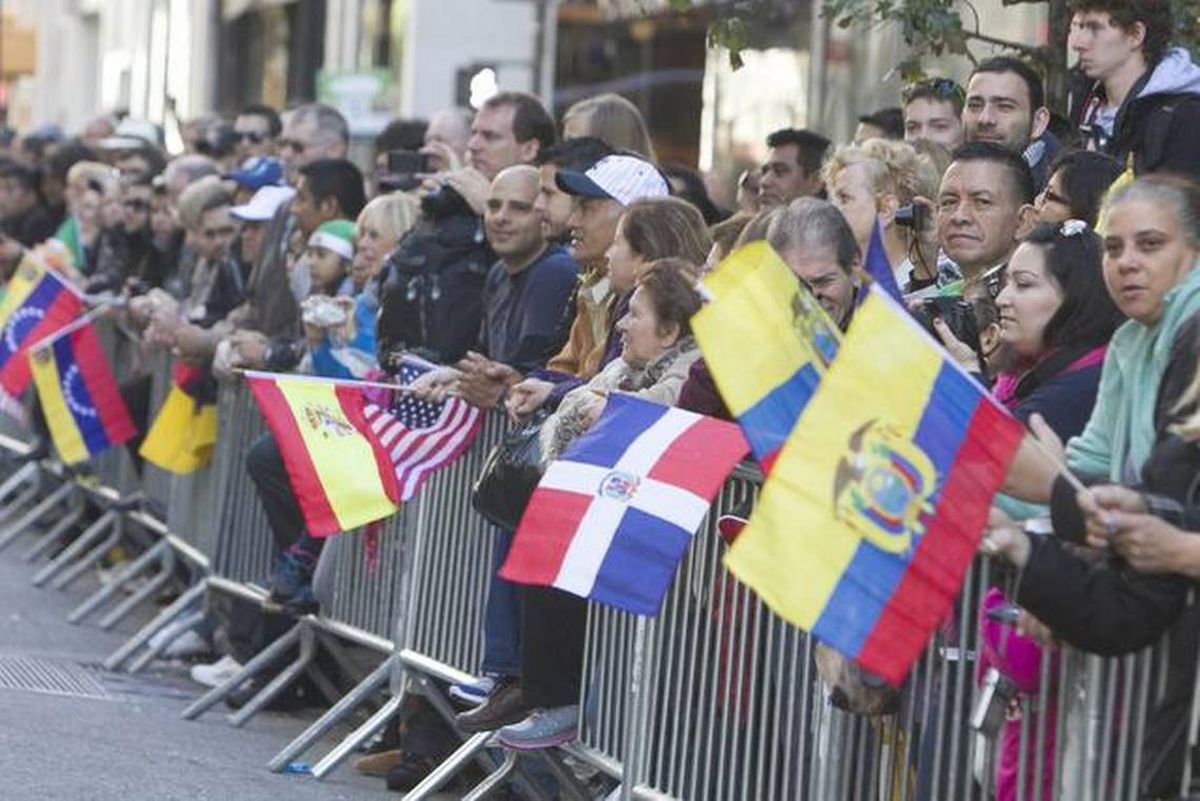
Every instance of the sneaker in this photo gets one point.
(217, 673)
(186, 645)
(474, 693)
(292, 576)
(545, 728)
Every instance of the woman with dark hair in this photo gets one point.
(1056, 319)
(686, 183)
(1078, 182)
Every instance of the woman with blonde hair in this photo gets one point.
(611, 118)
(872, 183)
(380, 226)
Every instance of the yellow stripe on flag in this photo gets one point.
(794, 550)
(181, 439)
(22, 283)
(753, 297)
(63, 431)
(344, 462)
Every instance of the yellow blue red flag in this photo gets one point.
(866, 526)
(767, 343)
(37, 303)
(83, 407)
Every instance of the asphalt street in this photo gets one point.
(115, 737)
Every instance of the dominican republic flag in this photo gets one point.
(611, 519)
(419, 436)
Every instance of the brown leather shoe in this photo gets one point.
(506, 705)
(378, 764)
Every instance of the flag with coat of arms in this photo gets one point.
(611, 519)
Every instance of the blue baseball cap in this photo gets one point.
(257, 172)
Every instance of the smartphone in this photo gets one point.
(1005, 613)
(407, 162)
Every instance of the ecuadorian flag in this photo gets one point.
(767, 343)
(75, 385)
(37, 303)
(340, 472)
(865, 528)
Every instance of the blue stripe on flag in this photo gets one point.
(859, 597)
(947, 415)
(77, 397)
(640, 563)
(21, 322)
(768, 422)
(624, 419)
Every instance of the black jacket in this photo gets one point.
(1158, 121)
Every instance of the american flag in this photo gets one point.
(420, 436)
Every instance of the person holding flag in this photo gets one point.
(657, 352)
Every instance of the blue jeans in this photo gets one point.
(502, 617)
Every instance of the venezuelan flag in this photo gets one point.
(866, 526)
(75, 385)
(36, 305)
(184, 431)
(767, 343)
(340, 472)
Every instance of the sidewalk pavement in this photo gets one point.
(114, 737)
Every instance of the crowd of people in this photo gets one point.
(545, 265)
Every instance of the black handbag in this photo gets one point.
(510, 474)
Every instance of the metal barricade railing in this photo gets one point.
(156, 482)
(370, 576)
(242, 548)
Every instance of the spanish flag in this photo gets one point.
(75, 385)
(866, 526)
(182, 436)
(339, 470)
(36, 304)
(767, 343)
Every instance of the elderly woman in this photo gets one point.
(540, 709)
(380, 226)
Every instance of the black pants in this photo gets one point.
(264, 463)
(136, 393)
(553, 628)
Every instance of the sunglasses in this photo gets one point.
(254, 137)
(942, 88)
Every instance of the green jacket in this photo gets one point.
(1118, 436)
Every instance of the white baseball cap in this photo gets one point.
(264, 204)
(620, 178)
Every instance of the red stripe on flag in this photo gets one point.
(699, 459)
(352, 400)
(306, 482)
(15, 375)
(935, 575)
(544, 535)
(102, 386)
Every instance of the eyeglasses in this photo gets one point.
(994, 280)
(253, 136)
(219, 233)
(941, 88)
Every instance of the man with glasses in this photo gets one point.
(933, 111)
(256, 128)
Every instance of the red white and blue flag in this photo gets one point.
(611, 519)
(421, 436)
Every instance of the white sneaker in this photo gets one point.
(189, 643)
(217, 673)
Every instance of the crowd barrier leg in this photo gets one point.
(166, 572)
(70, 574)
(471, 748)
(164, 618)
(362, 691)
(262, 660)
(27, 479)
(25, 521)
(105, 528)
(359, 736)
(174, 630)
(308, 652)
(48, 540)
